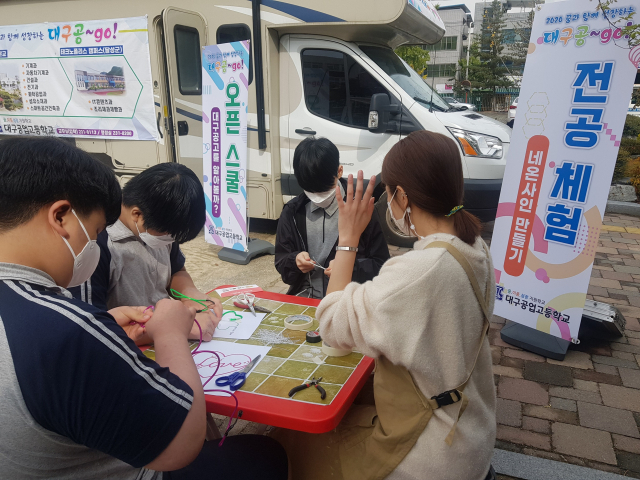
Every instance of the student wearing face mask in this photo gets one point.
(308, 227)
(78, 399)
(140, 257)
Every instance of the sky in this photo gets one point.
(470, 3)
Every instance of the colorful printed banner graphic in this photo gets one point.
(77, 79)
(573, 102)
(225, 73)
(426, 8)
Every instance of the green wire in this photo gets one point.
(177, 294)
(238, 317)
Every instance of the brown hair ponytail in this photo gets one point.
(428, 167)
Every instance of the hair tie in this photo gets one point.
(454, 210)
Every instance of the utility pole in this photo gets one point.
(468, 51)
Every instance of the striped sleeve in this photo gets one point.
(83, 378)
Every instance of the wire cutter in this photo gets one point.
(314, 382)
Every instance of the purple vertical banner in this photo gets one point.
(215, 162)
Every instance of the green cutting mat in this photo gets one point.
(287, 366)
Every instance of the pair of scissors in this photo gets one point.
(248, 299)
(237, 379)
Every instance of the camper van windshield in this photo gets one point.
(405, 77)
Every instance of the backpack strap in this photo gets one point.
(457, 394)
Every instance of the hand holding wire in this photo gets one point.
(133, 321)
(304, 262)
(170, 318)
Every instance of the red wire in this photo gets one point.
(215, 389)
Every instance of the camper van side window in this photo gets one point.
(362, 86)
(188, 60)
(338, 88)
(325, 87)
(236, 32)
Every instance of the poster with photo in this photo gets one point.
(88, 79)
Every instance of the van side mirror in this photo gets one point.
(380, 112)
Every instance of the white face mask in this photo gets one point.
(85, 263)
(410, 230)
(322, 199)
(153, 241)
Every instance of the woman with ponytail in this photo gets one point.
(424, 319)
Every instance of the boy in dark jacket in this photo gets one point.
(307, 233)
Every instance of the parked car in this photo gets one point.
(512, 109)
(460, 105)
(511, 114)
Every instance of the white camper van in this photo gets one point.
(317, 68)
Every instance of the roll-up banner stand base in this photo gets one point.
(255, 248)
(600, 321)
(534, 341)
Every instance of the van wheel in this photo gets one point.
(391, 232)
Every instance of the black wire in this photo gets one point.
(233, 424)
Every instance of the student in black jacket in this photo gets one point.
(308, 227)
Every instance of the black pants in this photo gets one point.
(241, 457)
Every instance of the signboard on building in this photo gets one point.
(573, 103)
(225, 87)
(77, 79)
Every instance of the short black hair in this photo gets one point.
(35, 172)
(171, 199)
(315, 164)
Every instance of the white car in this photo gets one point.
(459, 105)
(512, 109)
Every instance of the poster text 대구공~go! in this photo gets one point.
(573, 101)
(225, 73)
(88, 79)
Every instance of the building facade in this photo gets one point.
(86, 81)
(9, 82)
(444, 66)
(516, 15)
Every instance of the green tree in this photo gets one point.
(520, 48)
(115, 71)
(635, 97)
(491, 71)
(470, 73)
(416, 56)
(632, 31)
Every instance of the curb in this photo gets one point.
(525, 467)
(624, 208)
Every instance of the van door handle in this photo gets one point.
(158, 125)
(183, 128)
(305, 131)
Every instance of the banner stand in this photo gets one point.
(534, 341)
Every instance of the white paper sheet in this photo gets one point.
(233, 358)
(238, 329)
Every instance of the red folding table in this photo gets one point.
(282, 412)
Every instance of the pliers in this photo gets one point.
(314, 382)
(255, 307)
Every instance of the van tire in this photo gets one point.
(391, 232)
